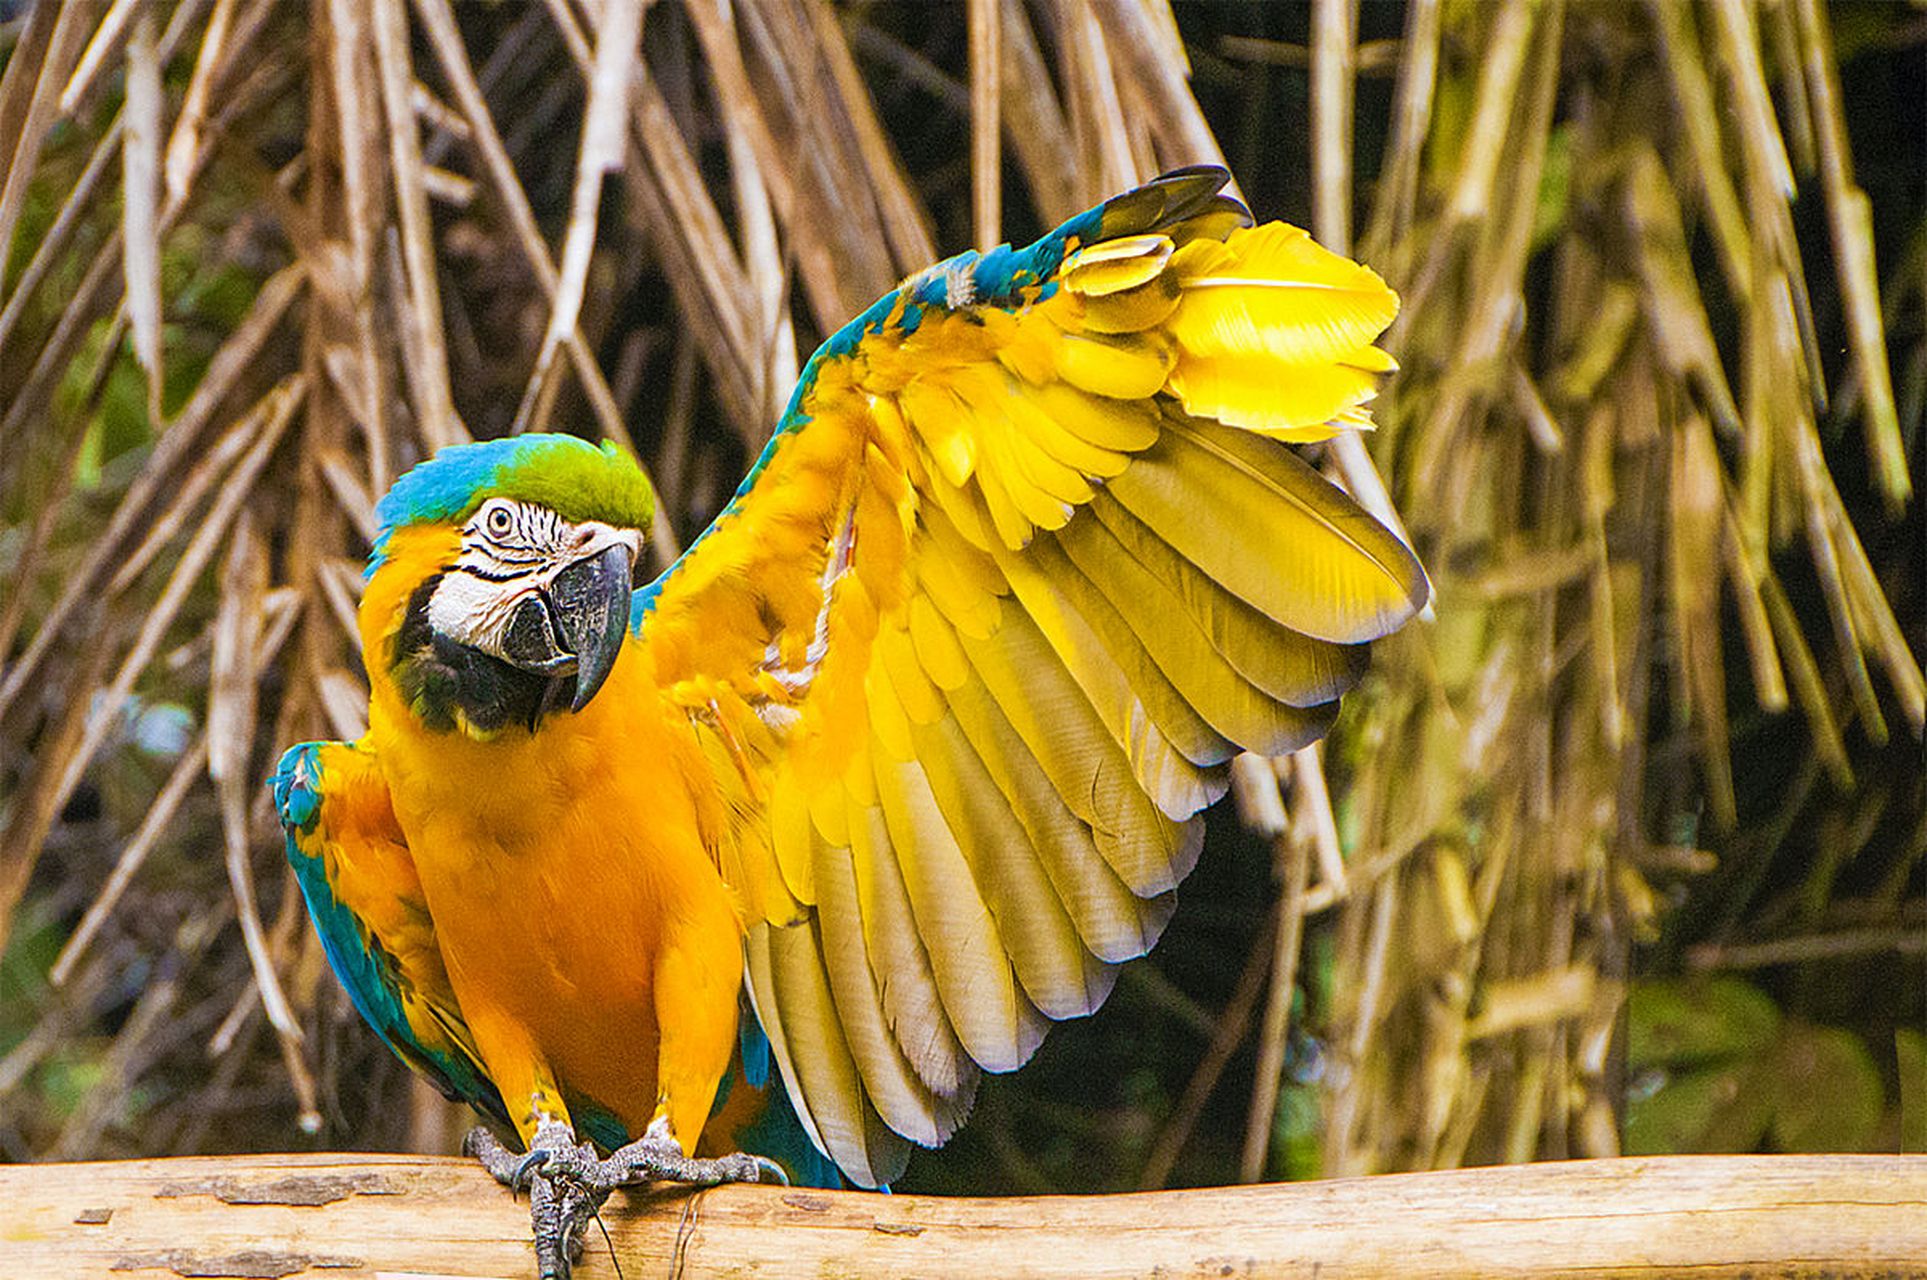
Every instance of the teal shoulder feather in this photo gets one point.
(399, 991)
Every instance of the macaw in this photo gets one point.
(901, 759)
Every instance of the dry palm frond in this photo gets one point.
(1596, 477)
(317, 240)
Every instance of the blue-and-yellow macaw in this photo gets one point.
(905, 754)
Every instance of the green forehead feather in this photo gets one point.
(569, 476)
(577, 481)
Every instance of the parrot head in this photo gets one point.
(501, 578)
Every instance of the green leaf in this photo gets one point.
(1910, 1046)
(37, 936)
(69, 1075)
(1676, 1022)
(1830, 1094)
(1555, 187)
(1297, 1134)
(1721, 1109)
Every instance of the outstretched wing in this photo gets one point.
(1018, 576)
(366, 901)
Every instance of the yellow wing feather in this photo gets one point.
(1017, 578)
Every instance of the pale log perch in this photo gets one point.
(333, 1216)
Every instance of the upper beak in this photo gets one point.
(579, 621)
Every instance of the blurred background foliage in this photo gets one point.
(1621, 850)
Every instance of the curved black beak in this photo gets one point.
(592, 614)
(576, 624)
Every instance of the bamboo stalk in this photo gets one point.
(1850, 216)
(231, 720)
(1040, 136)
(140, 202)
(1334, 33)
(184, 146)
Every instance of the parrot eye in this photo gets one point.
(499, 520)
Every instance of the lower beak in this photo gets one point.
(579, 621)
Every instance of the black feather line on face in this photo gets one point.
(440, 678)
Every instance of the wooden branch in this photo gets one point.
(330, 1216)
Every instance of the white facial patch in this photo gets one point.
(474, 611)
(510, 549)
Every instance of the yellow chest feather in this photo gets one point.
(560, 865)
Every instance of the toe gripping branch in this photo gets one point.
(568, 1183)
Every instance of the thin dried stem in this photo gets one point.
(435, 409)
(986, 92)
(1294, 873)
(1232, 1026)
(602, 150)
(61, 51)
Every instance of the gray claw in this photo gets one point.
(527, 1165)
(563, 1190)
(567, 1184)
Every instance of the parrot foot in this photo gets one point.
(567, 1182)
(657, 1157)
(565, 1190)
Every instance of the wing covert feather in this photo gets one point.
(1023, 568)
